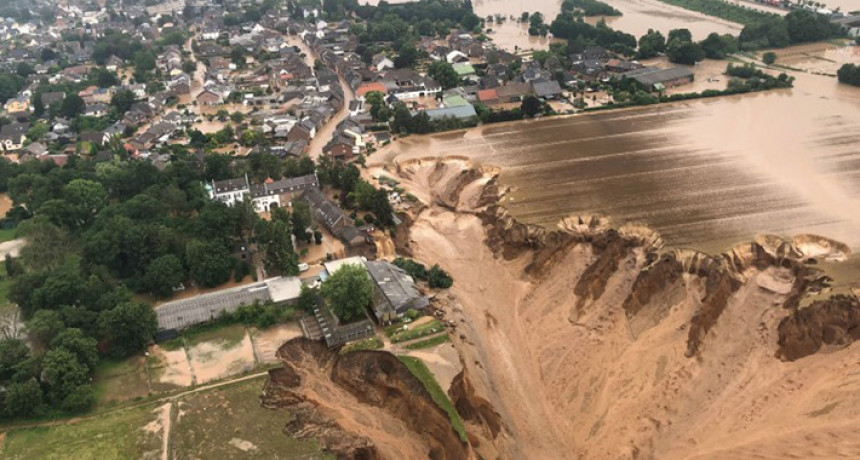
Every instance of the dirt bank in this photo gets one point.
(589, 342)
(362, 405)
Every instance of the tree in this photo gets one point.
(163, 274)
(62, 373)
(301, 221)
(12, 352)
(348, 292)
(307, 299)
(407, 55)
(104, 78)
(276, 244)
(684, 52)
(128, 328)
(208, 262)
(82, 346)
(718, 46)
(79, 399)
(849, 74)
(438, 278)
(123, 100)
(530, 106)
(22, 399)
(444, 73)
(72, 106)
(44, 326)
(651, 44)
(768, 58)
(24, 69)
(683, 35)
(87, 198)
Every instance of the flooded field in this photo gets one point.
(641, 15)
(706, 174)
(638, 17)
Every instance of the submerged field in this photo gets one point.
(704, 174)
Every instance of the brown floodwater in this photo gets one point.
(638, 17)
(705, 174)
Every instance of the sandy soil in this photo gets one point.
(169, 368)
(5, 204)
(442, 360)
(577, 383)
(212, 361)
(267, 342)
(12, 247)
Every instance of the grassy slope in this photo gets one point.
(420, 370)
(118, 435)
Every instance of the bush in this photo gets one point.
(438, 278)
(769, 58)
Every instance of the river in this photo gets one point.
(705, 173)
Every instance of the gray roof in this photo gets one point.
(292, 184)
(324, 210)
(460, 111)
(396, 286)
(231, 185)
(546, 88)
(650, 76)
(184, 313)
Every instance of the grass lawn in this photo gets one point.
(370, 343)
(431, 342)
(420, 370)
(119, 435)
(117, 381)
(227, 336)
(228, 422)
(7, 234)
(429, 328)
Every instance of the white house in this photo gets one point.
(264, 197)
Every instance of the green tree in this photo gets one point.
(208, 262)
(718, 46)
(123, 100)
(444, 73)
(22, 399)
(44, 326)
(163, 274)
(275, 240)
(768, 57)
(128, 328)
(12, 352)
(72, 106)
(301, 221)
(682, 35)
(348, 292)
(651, 44)
(88, 197)
(82, 346)
(438, 278)
(531, 106)
(307, 299)
(681, 52)
(62, 373)
(37, 131)
(80, 399)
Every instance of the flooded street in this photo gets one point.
(706, 174)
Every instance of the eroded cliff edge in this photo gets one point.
(589, 341)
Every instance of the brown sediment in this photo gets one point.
(589, 341)
(362, 405)
(834, 322)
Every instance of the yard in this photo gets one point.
(422, 327)
(118, 435)
(229, 422)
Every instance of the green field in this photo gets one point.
(397, 334)
(119, 435)
(117, 381)
(7, 234)
(370, 343)
(420, 370)
(229, 422)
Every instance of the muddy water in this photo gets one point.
(638, 17)
(706, 174)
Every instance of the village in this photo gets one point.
(215, 166)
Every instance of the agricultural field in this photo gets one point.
(228, 422)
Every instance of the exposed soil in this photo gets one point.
(362, 405)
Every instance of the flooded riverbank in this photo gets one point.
(705, 174)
